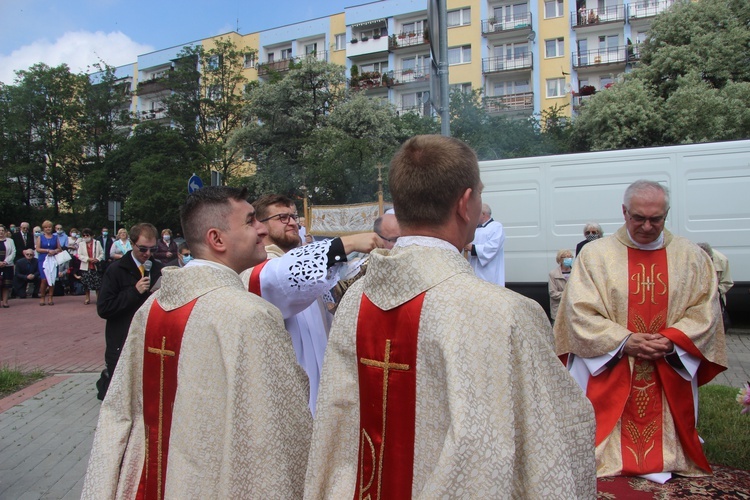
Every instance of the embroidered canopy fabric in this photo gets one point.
(339, 220)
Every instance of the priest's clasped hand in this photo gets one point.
(649, 346)
(362, 242)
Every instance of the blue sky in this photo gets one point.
(79, 32)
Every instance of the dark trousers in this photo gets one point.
(20, 283)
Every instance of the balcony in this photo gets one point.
(579, 100)
(264, 69)
(509, 24)
(366, 46)
(600, 57)
(595, 17)
(370, 80)
(404, 76)
(153, 114)
(509, 103)
(499, 64)
(407, 39)
(152, 86)
(648, 8)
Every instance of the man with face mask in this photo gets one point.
(106, 240)
(591, 231)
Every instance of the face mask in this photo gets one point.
(593, 236)
(13, 230)
(74, 235)
(568, 262)
(167, 237)
(37, 234)
(87, 239)
(105, 233)
(187, 258)
(60, 232)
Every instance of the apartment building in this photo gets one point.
(524, 55)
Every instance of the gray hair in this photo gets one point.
(642, 186)
(593, 226)
(486, 209)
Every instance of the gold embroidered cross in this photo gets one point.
(161, 353)
(387, 366)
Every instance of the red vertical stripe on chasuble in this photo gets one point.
(164, 331)
(387, 363)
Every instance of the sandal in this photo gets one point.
(42, 303)
(87, 302)
(51, 303)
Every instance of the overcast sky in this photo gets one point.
(81, 32)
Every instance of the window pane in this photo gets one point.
(454, 56)
(454, 18)
(467, 54)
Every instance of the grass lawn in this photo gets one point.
(12, 380)
(724, 429)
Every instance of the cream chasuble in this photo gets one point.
(460, 381)
(239, 428)
(646, 410)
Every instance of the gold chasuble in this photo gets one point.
(645, 410)
(387, 352)
(438, 384)
(164, 332)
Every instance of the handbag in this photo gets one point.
(62, 257)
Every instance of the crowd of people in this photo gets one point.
(228, 374)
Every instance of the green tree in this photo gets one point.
(43, 112)
(152, 167)
(206, 103)
(105, 125)
(691, 84)
(280, 118)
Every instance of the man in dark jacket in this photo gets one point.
(126, 285)
(27, 271)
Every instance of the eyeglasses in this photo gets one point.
(283, 218)
(586, 233)
(389, 240)
(656, 220)
(147, 249)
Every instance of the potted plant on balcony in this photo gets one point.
(401, 35)
(364, 38)
(587, 90)
(354, 40)
(376, 36)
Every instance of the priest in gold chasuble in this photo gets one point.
(208, 400)
(436, 383)
(640, 329)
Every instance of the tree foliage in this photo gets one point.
(206, 102)
(691, 84)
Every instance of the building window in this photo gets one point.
(380, 67)
(511, 88)
(250, 60)
(556, 87)
(553, 8)
(464, 88)
(460, 17)
(554, 47)
(271, 57)
(213, 63)
(341, 41)
(286, 54)
(459, 55)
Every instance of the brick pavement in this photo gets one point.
(46, 432)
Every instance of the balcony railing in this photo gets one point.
(510, 102)
(152, 86)
(497, 64)
(369, 80)
(493, 25)
(286, 64)
(407, 39)
(579, 100)
(648, 8)
(423, 109)
(402, 76)
(610, 55)
(153, 114)
(591, 17)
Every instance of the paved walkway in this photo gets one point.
(46, 430)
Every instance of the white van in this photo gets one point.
(544, 203)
